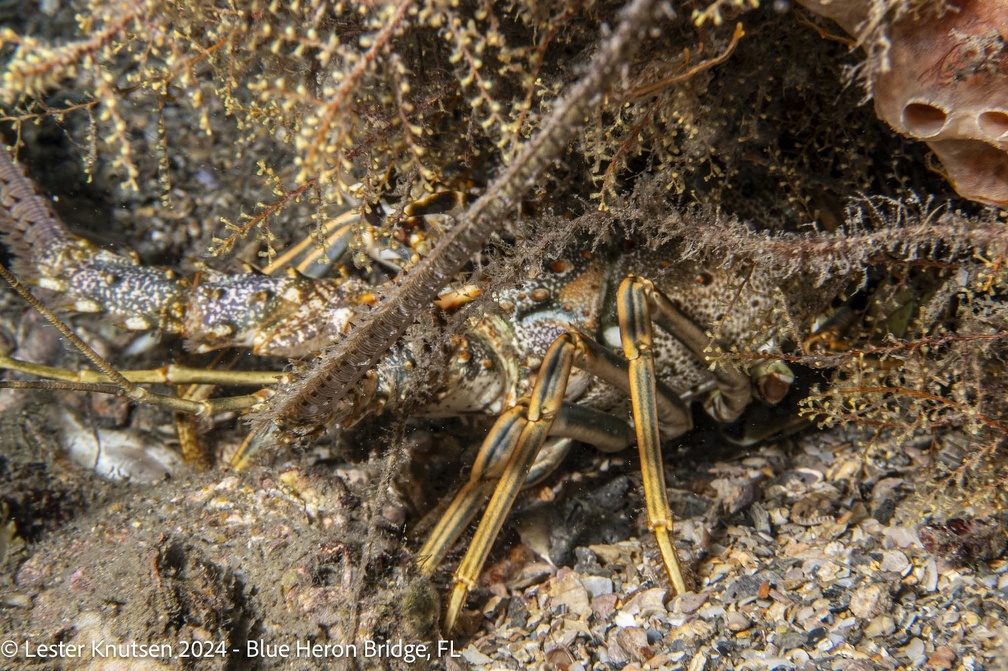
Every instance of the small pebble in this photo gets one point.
(942, 658)
(737, 622)
(651, 603)
(711, 612)
(930, 579)
(896, 562)
(915, 651)
(690, 602)
(16, 600)
(869, 601)
(625, 620)
(901, 537)
(569, 593)
(597, 585)
(883, 625)
(798, 656)
(604, 604)
(474, 656)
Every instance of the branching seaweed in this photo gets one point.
(738, 153)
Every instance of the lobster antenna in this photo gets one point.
(310, 400)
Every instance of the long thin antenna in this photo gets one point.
(310, 400)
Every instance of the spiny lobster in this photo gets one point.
(547, 362)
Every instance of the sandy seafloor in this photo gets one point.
(805, 553)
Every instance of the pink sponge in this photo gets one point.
(941, 78)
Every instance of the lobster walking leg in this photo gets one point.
(535, 422)
(604, 431)
(733, 392)
(637, 340)
(485, 473)
(517, 438)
